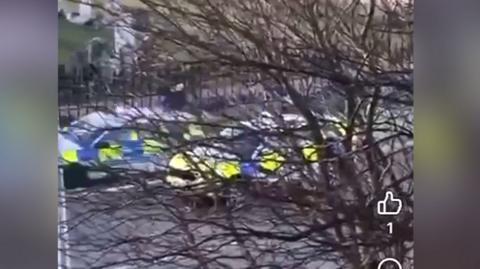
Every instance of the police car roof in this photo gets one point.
(100, 120)
(142, 114)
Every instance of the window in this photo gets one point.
(118, 135)
(146, 135)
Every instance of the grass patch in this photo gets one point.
(72, 37)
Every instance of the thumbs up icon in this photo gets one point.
(382, 205)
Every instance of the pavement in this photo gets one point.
(122, 227)
(99, 221)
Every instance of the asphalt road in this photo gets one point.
(113, 227)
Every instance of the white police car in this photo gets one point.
(90, 150)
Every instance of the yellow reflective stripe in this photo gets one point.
(70, 155)
(311, 153)
(114, 152)
(179, 162)
(195, 130)
(272, 161)
(152, 146)
(341, 126)
(109, 154)
(228, 169)
(343, 132)
(134, 135)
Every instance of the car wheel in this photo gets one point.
(75, 176)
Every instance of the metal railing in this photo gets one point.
(78, 98)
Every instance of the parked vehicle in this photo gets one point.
(98, 156)
(104, 146)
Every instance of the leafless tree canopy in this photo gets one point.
(350, 58)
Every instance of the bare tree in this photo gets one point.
(315, 58)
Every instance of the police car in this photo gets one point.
(247, 152)
(241, 151)
(100, 154)
(218, 159)
(100, 147)
(270, 148)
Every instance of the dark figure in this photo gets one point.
(175, 100)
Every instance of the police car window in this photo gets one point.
(231, 132)
(85, 138)
(245, 145)
(147, 135)
(80, 128)
(117, 135)
(175, 129)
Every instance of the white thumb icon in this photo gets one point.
(382, 205)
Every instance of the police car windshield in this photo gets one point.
(88, 137)
(83, 133)
(245, 144)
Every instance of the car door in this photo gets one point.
(113, 144)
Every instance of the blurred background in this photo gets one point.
(446, 128)
(28, 116)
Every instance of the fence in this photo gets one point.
(79, 98)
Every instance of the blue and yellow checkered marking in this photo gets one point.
(125, 149)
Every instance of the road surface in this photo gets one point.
(111, 226)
